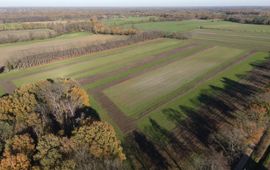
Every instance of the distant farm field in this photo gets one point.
(174, 26)
(258, 41)
(189, 25)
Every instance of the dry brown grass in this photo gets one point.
(25, 35)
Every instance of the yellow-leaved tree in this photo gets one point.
(101, 140)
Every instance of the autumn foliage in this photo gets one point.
(45, 126)
(99, 27)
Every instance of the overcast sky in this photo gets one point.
(135, 3)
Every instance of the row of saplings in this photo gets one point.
(47, 57)
(50, 125)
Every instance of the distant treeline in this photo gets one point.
(254, 15)
(37, 31)
(263, 20)
(59, 27)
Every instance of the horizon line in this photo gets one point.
(134, 6)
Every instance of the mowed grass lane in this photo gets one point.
(137, 94)
(95, 63)
(191, 100)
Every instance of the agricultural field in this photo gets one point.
(121, 81)
(138, 95)
(190, 98)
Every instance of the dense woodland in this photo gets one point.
(51, 125)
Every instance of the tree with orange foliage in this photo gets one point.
(101, 140)
(21, 144)
(15, 162)
(17, 153)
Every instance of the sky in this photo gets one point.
(132, 3)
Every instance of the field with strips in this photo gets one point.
(131, 84)
(167, 79)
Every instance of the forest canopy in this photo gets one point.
(50, 125)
